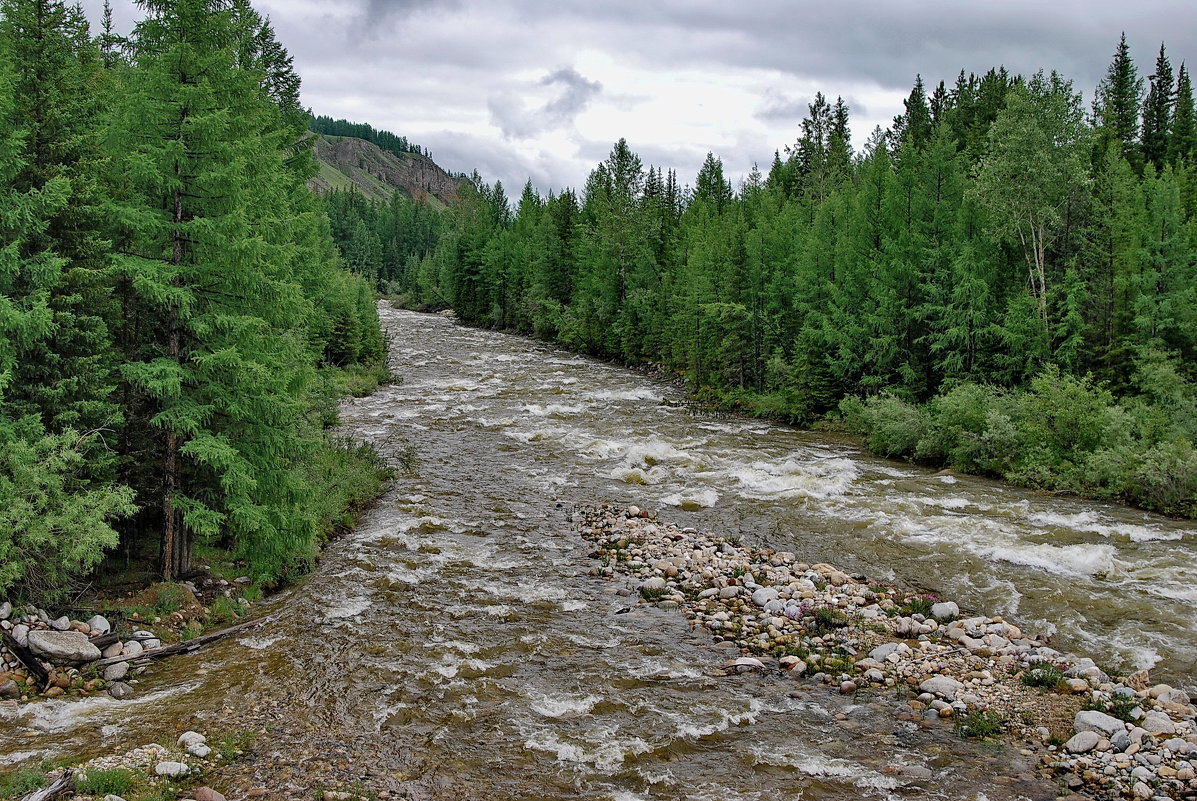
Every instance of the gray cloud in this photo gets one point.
(510, 115)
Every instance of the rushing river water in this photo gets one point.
(454, 646)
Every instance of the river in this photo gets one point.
(455, 647)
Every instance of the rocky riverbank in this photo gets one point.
(1106, 736)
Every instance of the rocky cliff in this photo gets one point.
(347, 163)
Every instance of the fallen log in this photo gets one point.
(28, 659)
(102, 641)
(184, 647)
(63, 784)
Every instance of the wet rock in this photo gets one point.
(120, 691)
(172, 770)
(1100, 722)
(1158, 723)
(1083, 742)
(746, 664)
(99, 625)
(942, 685)
(795, 666)
(69, 647)
(9, 690)
(116, 672)
(208, 794)
(945, 610)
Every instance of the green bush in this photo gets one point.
(891, 426)
(100, 783)
(1043, 674)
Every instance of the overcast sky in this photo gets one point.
(542, 88)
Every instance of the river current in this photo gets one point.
(454, 645)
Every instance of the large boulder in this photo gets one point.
(1099, 722)
(63, 647)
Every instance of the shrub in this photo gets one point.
(979, 725)
(1043, 674)
(100, 783)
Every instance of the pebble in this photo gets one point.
(1082, 742)
(208, 794)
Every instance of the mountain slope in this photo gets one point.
(346, 162)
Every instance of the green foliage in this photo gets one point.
(224, 610)
(1043, 674)
(981, 724)
(99, 783)
(21, 782)
(1122, 707)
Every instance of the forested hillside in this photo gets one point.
(1004, 281)
(175, 324)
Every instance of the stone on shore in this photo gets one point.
(116, 672)
(9, 690)
(208, 794)
(1158, 723)
(5, 610)
(172, 769)
(63, 647)
(99, 625)
(1099, 722)
(120, 691)
(764, 595)
(945, 610)
(941, 685)
(1083, 742)
(654, 584)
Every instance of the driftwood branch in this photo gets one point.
(28, 659)
(184, 647)
(62, 784)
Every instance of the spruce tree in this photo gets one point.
(1157, 112)
(204, 202)
(1118, 102)
(1182, 136)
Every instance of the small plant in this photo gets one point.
(234, 744)
(192, 630)
(224, 610)
(919, 605)
(650, 594)
(828, 619)
(1120, 706)
(252, 593)
(21, 782)
(100, 783)
(170, 599)
(1043, 674)
(982, 724)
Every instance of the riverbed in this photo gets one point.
(454, 646)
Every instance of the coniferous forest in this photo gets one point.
(1004, 282)
(175, 324)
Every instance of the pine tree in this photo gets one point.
(1157, 112)
(204, 201)
(1182, 135)
(1118, 102)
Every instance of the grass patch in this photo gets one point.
(224, 610)
(232, 745)
(1043, 674)
(979, 725)
(1120, 706)
(100, 783)
(827, 620)
(22, 782)
(653, 595)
